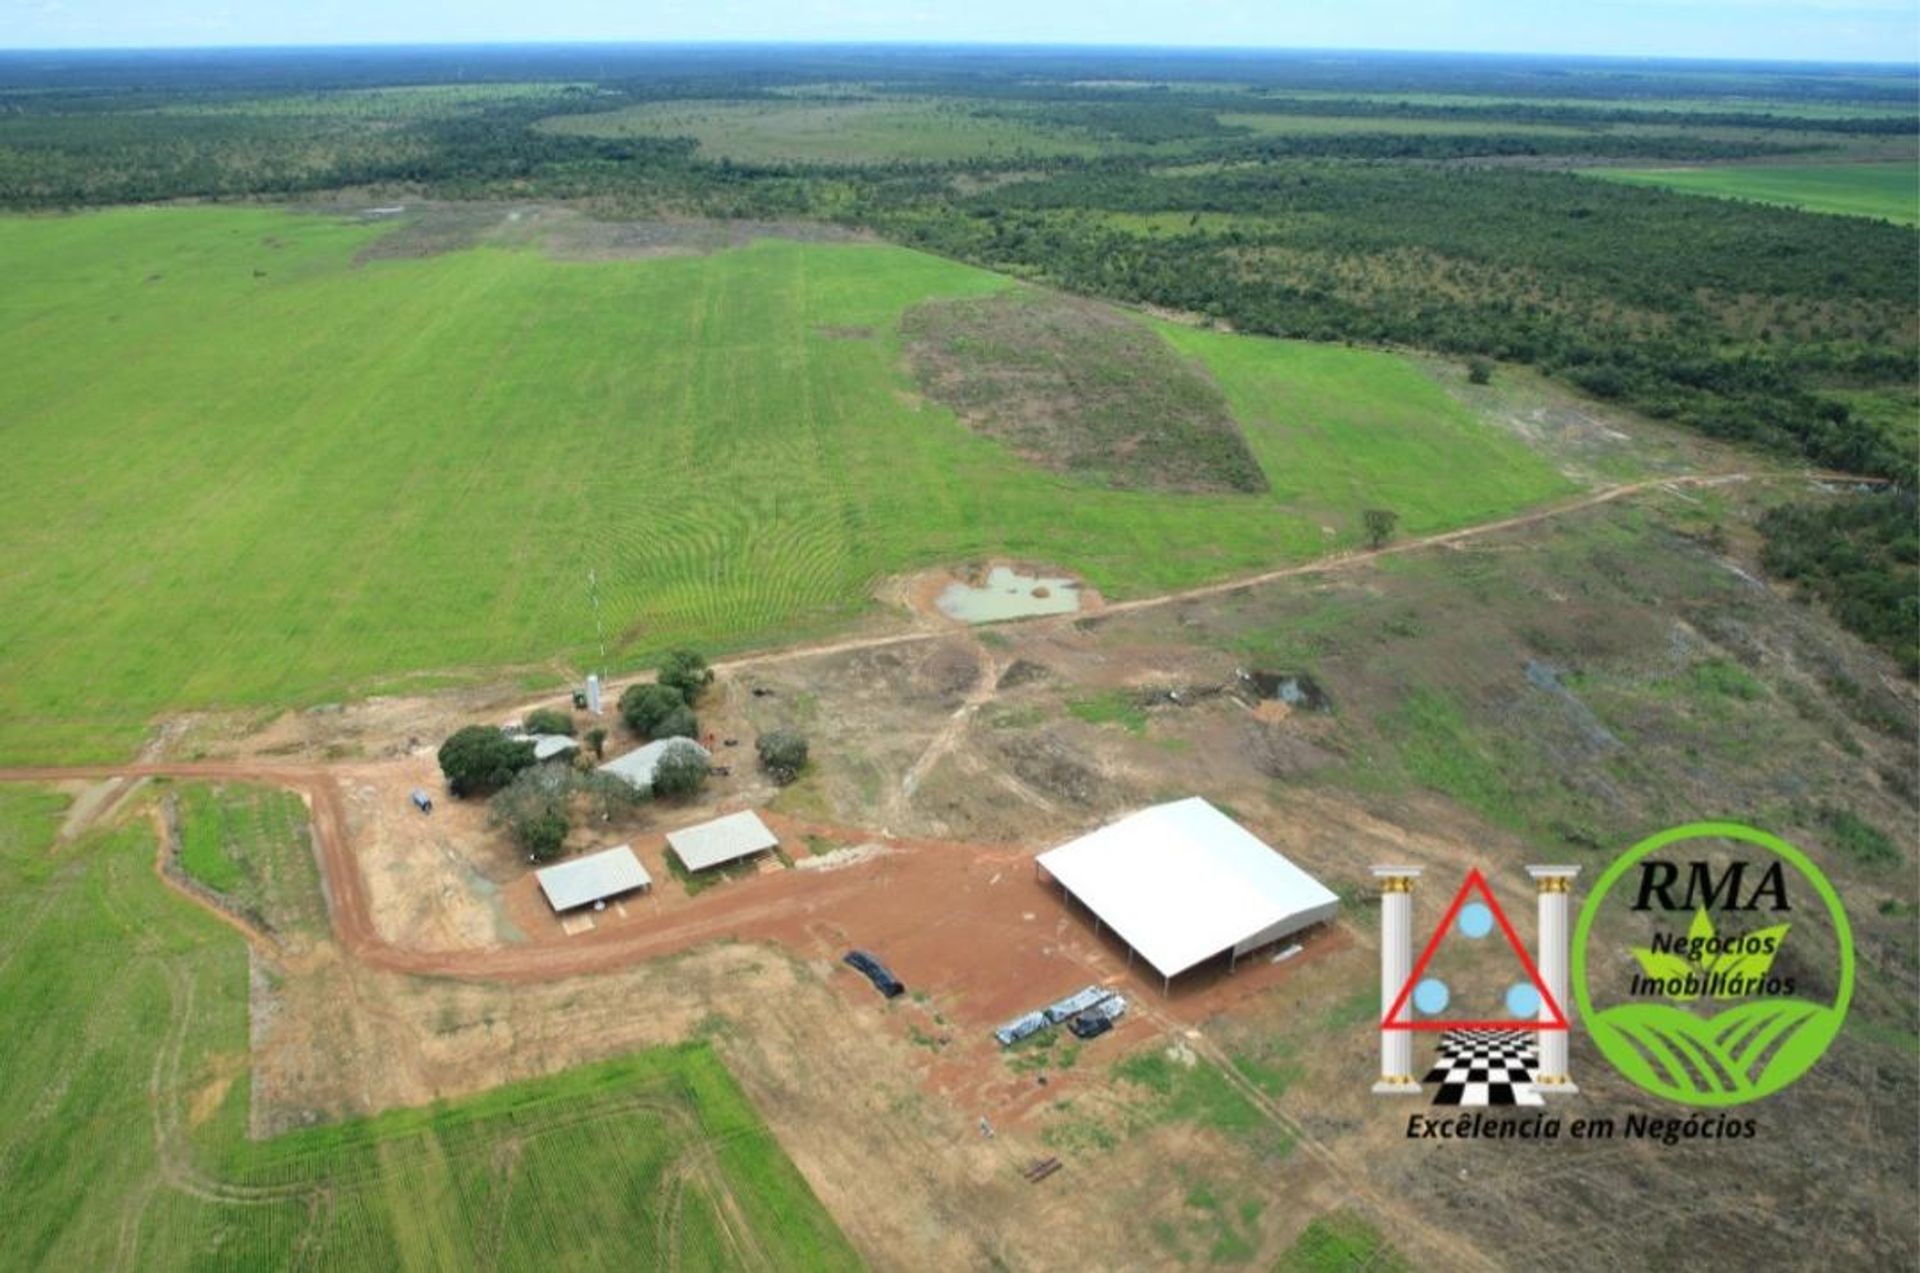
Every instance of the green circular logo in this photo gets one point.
(1743, 1052)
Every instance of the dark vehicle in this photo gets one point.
(1090, 1026)
(876, 972)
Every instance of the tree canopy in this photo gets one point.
(479, 759)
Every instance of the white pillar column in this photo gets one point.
(1396, 965)
(1556, 892)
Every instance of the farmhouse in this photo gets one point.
(637, 766)
(1182, 883)
(729, 839)
(597, 877)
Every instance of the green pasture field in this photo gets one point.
(123, 1119)
(252, 845)
(800, 130)
(1886, 190)
(245, 470)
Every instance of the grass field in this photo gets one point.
(251, 845)
(845, 132)
(122, 1121)
(243, 470)
(1886, 190)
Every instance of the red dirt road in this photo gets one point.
(969, 924)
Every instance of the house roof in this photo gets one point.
(1182, 882)
(725, 839)
(637, 765)
(592, 878)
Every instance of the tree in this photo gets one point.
(686, 672)
(1380, 524)
(608, 794)
(643, 706)
(678, 723)
(681, 771)
(479, 759)
(549, 720)
(597, 739)
(533, 810)
(783, 754)
(1479, 371)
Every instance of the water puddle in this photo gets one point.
(1008, 594)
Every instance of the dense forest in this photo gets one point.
(1424, 201)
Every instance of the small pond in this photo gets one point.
(1008, 594)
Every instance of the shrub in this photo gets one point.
(644, 706)
(680, 772)
(1380, 525)
(1858, 838)
(479, 759)
(608, 795)
(533, 809)
(678, 723)
(783, 754)
(549, 720)
(686, 672)
(597, 739)
(1479, 371)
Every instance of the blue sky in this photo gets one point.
(1867, 30)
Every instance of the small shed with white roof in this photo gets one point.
(729, 839)
(596, 877)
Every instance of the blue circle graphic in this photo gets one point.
(1523, 1001)
(1475, 920)
(1431, 996)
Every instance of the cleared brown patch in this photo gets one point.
(1080, 388)
(225, 1067)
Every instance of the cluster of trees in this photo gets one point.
(1859, 556)
(535, 803)
(664, 708)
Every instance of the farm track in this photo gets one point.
(937, 630)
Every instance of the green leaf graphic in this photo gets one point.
(1663, 966)
(1701, 929)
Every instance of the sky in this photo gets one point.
(1816, 30)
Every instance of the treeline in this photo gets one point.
(1086, 101)
(1860, 557)
(1567, 267)
(89, 158)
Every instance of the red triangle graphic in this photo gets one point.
(1557, 1019)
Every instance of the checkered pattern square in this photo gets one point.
(1486, 1067)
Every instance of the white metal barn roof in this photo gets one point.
(737, 835)
(637, 765)
(592, 878)
(1182, 882)
(547, 746)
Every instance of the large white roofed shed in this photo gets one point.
(593, 878)
(637, 766)
(1182, 882)
(737, 835)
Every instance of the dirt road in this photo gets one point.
(935, 630)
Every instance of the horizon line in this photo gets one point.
(773, 43)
